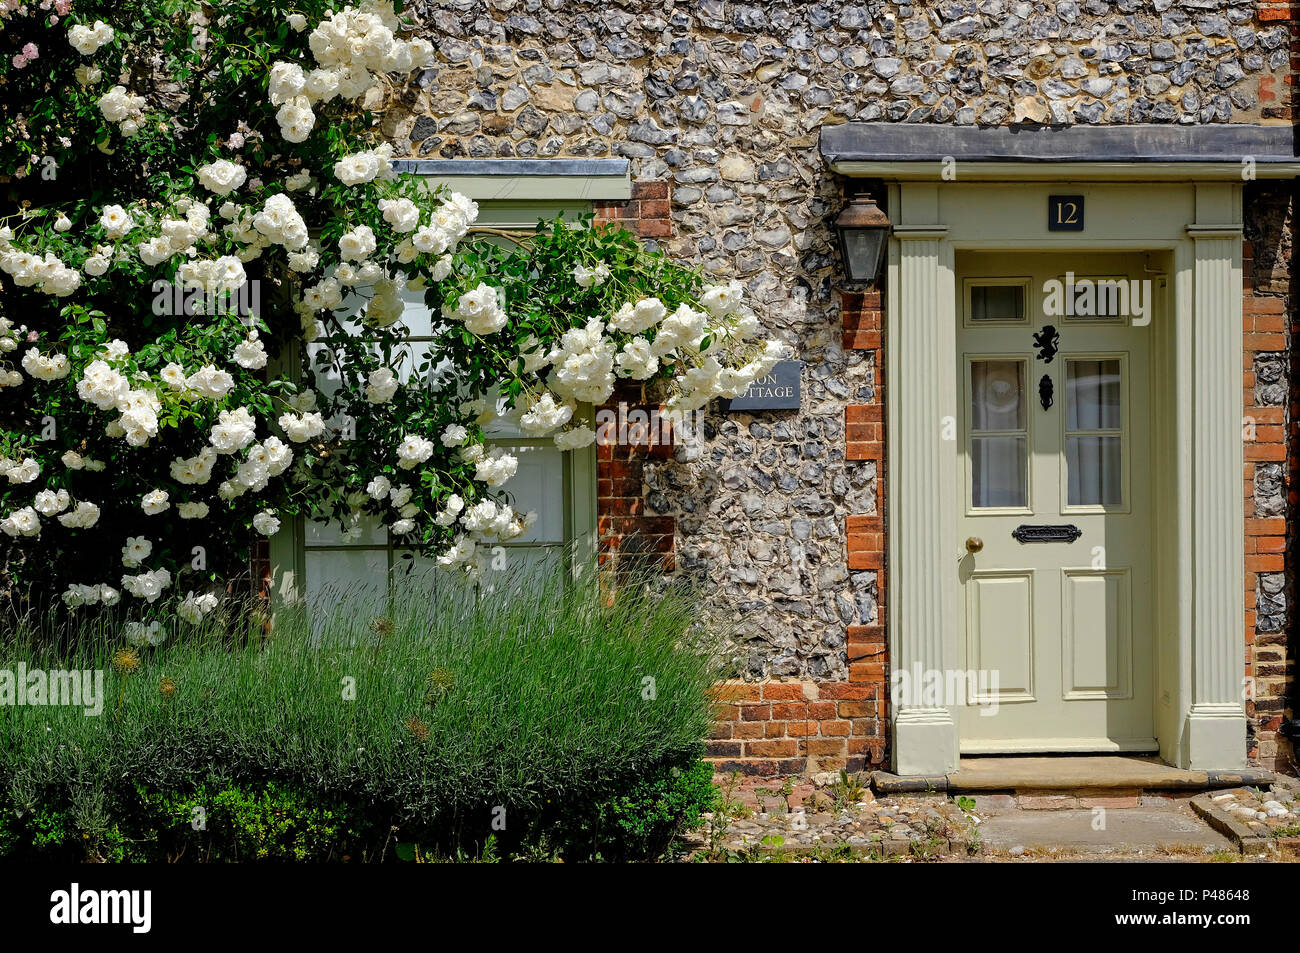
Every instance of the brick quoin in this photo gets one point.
(629, 533)
(1269, 329)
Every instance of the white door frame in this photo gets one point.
(1200, 606)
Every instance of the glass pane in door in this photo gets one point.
(997, 302)
(1093, 432)
(999, 444)
(1092, 390)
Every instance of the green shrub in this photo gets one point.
(644, 821)
(437, 717)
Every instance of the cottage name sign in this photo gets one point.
(779, 390)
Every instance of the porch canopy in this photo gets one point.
(902, 151)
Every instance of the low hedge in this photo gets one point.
(440, 721)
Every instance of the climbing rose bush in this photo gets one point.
(206, 273)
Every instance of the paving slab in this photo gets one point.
(1122, 830)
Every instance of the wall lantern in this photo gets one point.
(863, 228)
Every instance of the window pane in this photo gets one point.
(999, 471)
(1092, 395)
(416, 315)
(335, 576)
(538, 485)
(372, 533)
(997, 303)
(997, 395)
(1093, 464)
(416, 362)
(509, 568)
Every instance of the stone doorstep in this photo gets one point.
(1092, 777)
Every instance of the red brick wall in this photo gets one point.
(629, 534)
(648, 213)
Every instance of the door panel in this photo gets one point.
(1054, 446)
(1001, 633)
(1096, 627)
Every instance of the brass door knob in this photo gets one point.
(974, 544)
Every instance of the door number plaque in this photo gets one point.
(1065, 213)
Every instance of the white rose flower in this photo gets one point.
(382, 386)
(286, 81)
(173, 375)
(210, 382)
(155, 502)
(234, 430)
(222, 176)
(266, 523)
(136, 551)
(721, 300)
(590, 277)
(430, 240)
(148, 586)
(49, 502)
(637, 360)
(441, 268)
(83, 516)
(575, 439)
(479, 309)
(87, 40)
(191, 511)
(116, 221)
(22, 522)
(641, 316)
(402, 214)
(357, 244)
(296, 119)
(303, 427)
(414, 450)
(250, 353)
(496, 469)
(545, 416)
(117, 105)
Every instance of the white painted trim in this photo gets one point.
(967, 170)
(922, 486)
(1199, 651)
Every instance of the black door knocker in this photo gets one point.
(1045, 391)
(1047, 341)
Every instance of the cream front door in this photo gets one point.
(1055, 477)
